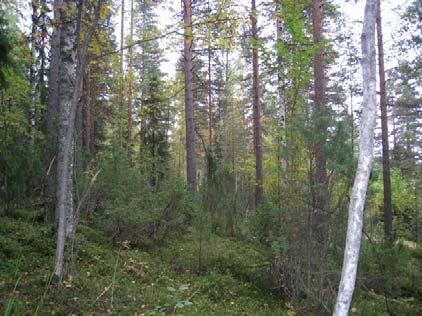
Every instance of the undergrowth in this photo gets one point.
(124, 280)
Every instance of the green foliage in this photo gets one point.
(134, 210)
(405, 202)
(144, 282)
(391, 274)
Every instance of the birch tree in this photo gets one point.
(366, 155)
(70, 76)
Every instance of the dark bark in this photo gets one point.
(209, 99)
(88, 116)
(189, 108)
(388, 208)
(130, 91)
(120, 115)
(52, 115)
(320, 122)
(256, 103)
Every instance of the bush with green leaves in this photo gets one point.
(133, 209)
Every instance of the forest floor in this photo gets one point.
(123, 280)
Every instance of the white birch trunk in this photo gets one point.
(366, 151)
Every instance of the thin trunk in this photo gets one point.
(209, 84)
(366, 154)
(121, 96)
(130, 90)
(388, 209)
(320, 118)
(209, 99)
(189, 108)
(257, 130)
(52, 115)
(32, 70)
(44, 34)
(88, 116)
(320, 113)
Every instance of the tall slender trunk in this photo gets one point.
(209, 98)
(209, 83)
(52, 115)
(257, 129)
(320, 123)
(320, 118)
(130, 90)
(70, 77)
(87, 114)
(189, 107)
(43, 39)
(282, 106)
(33, 71)
(388, 208)
(67, 87)
(121, 95)
(366, 156)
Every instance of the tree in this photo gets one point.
(320, 117)
(388, 208)
(130, 88)
(366, 154)
(52, 113)
(67, 86)
(70, 76)
(189, 102)
(256, 103)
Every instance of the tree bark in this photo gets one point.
(189, 107)
(52, 115)
(320, 122)
(67, 87)
(366, 154)
(120, 115)
(388, 208)
(130, 91)
(32, 71)
(256, 104)
(70, 74)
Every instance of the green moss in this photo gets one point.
(123, 280)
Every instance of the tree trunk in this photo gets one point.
(257, 130)
(388, 209)
(320, 122)
(189, 109)
(44, 34)
(121, 96)
(366, 154)
(52, 115)
(32, 71)
(70, 77)
(130, 90)
(67, 87)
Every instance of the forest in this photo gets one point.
(211, 157)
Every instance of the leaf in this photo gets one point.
(183, 287)
(171, 289)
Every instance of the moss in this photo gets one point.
(123, 280)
